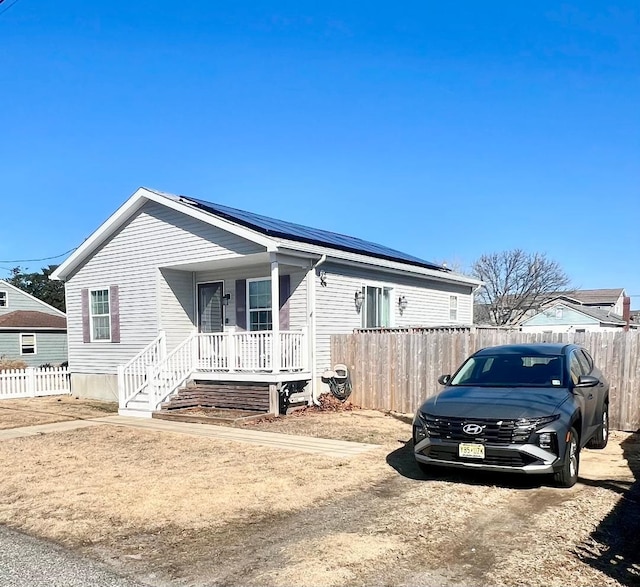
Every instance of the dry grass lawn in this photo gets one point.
(179, 510)
(15, 413)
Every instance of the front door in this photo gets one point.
(210, 313)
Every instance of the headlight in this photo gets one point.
(524, 427)
(420, 431)
(535, 423)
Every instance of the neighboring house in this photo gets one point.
(563, 316)
(30, 329)
(608, 300)
(171, 289)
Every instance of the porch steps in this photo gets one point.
(239, 396)
(137, 407)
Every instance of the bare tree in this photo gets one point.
(516, 281)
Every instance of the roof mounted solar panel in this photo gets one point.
(305, 234)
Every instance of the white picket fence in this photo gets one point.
(31, 382)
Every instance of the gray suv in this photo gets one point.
(516, 408)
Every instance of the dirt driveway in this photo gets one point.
(176, 510)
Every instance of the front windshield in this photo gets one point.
(511, 370)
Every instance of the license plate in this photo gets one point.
(471, 451)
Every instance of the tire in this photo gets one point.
(567, 476)
(601, 437)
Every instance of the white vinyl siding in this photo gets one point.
(177, 305)
(428, 303)
(156, 236)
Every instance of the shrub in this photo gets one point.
(7, 364)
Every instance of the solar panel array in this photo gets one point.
(297, 232)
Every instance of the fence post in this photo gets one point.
(31, 381)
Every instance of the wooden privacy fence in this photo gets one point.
(396, 371)
(30, 382)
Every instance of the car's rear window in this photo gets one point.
(511, 370)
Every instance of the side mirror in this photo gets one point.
(444, 379)
(587, 381)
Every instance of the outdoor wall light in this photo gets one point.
(226, 298)
(323, 278)
(402, 304)
(358, 300)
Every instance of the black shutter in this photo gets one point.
(241, 304)
(114, 307)
(285, 292)
(86, 326)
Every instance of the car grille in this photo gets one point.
(492, 457)
(499, 432)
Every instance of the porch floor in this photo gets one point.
(252, 376)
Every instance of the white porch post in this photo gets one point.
(275, 314)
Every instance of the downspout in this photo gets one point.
(312, 335)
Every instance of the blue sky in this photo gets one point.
(443, 129)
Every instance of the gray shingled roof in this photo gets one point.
(601, 315)
(594, 297)
(24, 319)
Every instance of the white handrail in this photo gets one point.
(172, 372)
(132, 377)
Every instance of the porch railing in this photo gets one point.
(250, 351)
(132, 377)
(157, 374)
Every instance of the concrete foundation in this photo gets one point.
(99, 386)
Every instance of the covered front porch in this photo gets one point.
(223, 321)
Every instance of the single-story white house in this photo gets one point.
(172, 289)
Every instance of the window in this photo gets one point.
(100, 315)
(259, 306)
(3, 299)
(27, 344)
(453, 308)
(376, 312)
(576, 366)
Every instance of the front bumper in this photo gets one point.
(507, 458)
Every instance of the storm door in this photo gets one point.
(210, 312)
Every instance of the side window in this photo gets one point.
(27, 344)
(3, 299)
(588, 359)
(575, 368)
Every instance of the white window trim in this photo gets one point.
(91, 315)
(451, 308)
(35, 344)
(393, 305)
(6, 298)
(247, 304)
